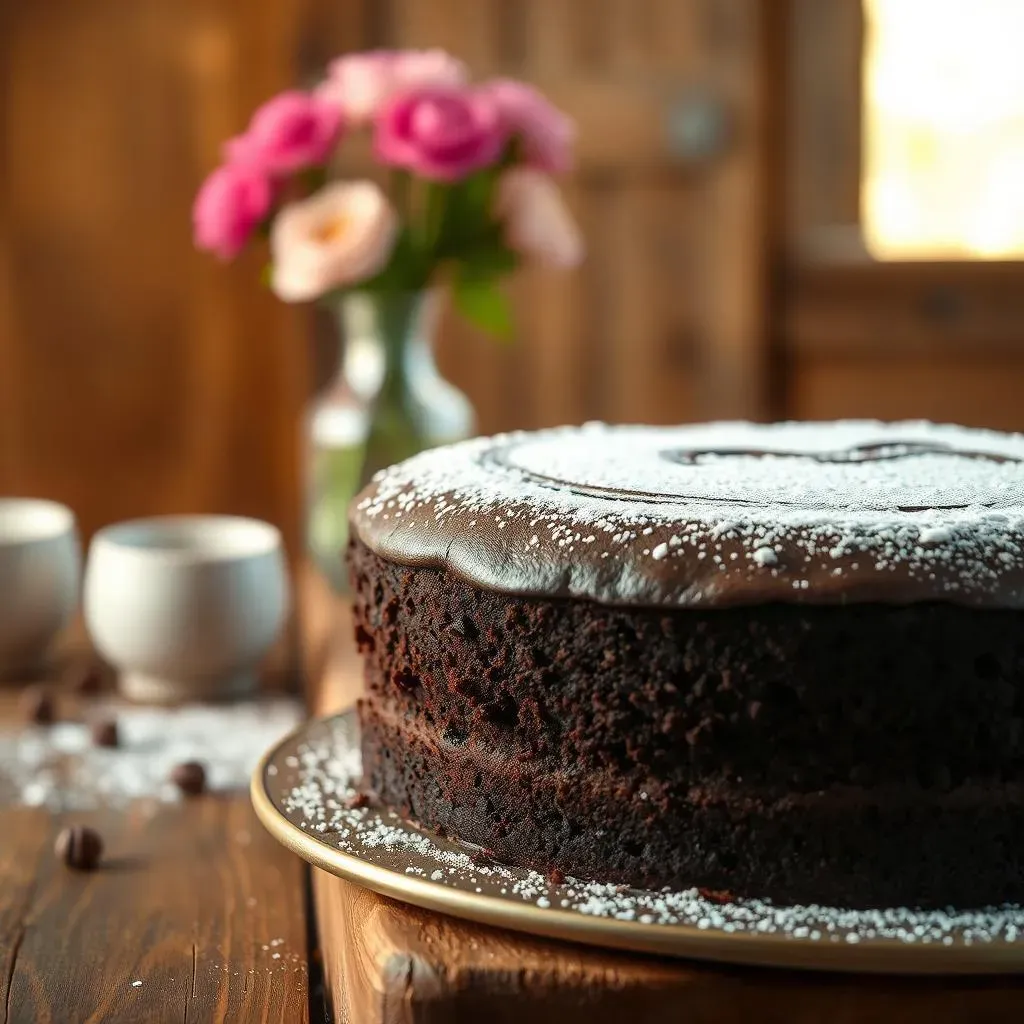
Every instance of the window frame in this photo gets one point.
(835, 297)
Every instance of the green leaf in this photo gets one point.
(488, 257)
(480, 300)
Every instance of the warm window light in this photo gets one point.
(944, 129)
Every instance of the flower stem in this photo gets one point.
(400, 187)
(436, 205)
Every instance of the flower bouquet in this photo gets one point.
(462, 192)
(469, 190)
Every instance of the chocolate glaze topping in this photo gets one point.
(719, 514)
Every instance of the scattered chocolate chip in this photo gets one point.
(104, 732)
(37, 705)
(356, 801)
(84, 680)
(189, 777)
(79, 847)
(556, 876)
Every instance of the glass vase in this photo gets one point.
(387, 402)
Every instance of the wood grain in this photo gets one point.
(392, 964)
(139, 376)
(193, 900)
(845, 306)
(824, 55)
(739, 57)
(979, 391)
(186, 900)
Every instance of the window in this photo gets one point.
(943, 129)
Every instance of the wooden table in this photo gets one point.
(198, 915)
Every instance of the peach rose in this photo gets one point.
(538, 224)
(339, 236)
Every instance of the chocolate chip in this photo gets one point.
(79, 847)
(189, 777)
(84, 680)
(104, 732)
(37, 705)
(356, 801)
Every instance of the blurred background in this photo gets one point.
(793, 208)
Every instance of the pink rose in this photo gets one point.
(537, 222)
(439, 133)
(341, 235)
(228, 207)
(547, 134)
(289, 132)
(360, 82)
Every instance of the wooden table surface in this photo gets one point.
(195, 914)
(198, 915)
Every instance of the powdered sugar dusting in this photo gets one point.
(725, 513)
(58, 767)
(318, 797)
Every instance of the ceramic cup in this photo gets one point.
(40, 569)
(186, 607)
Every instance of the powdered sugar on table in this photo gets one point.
(58, 767)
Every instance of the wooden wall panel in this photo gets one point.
(823, 131)
(980, 391)
(140, 377)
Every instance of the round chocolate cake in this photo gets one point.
(779, 661)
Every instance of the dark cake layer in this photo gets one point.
(866, 755)
(847, 846)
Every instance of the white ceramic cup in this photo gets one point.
(186, 607)
(40, 570)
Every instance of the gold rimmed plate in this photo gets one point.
(303, 791)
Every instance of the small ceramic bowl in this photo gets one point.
(186, 607)
(40, 570)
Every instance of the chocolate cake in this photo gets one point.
(779, 661)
